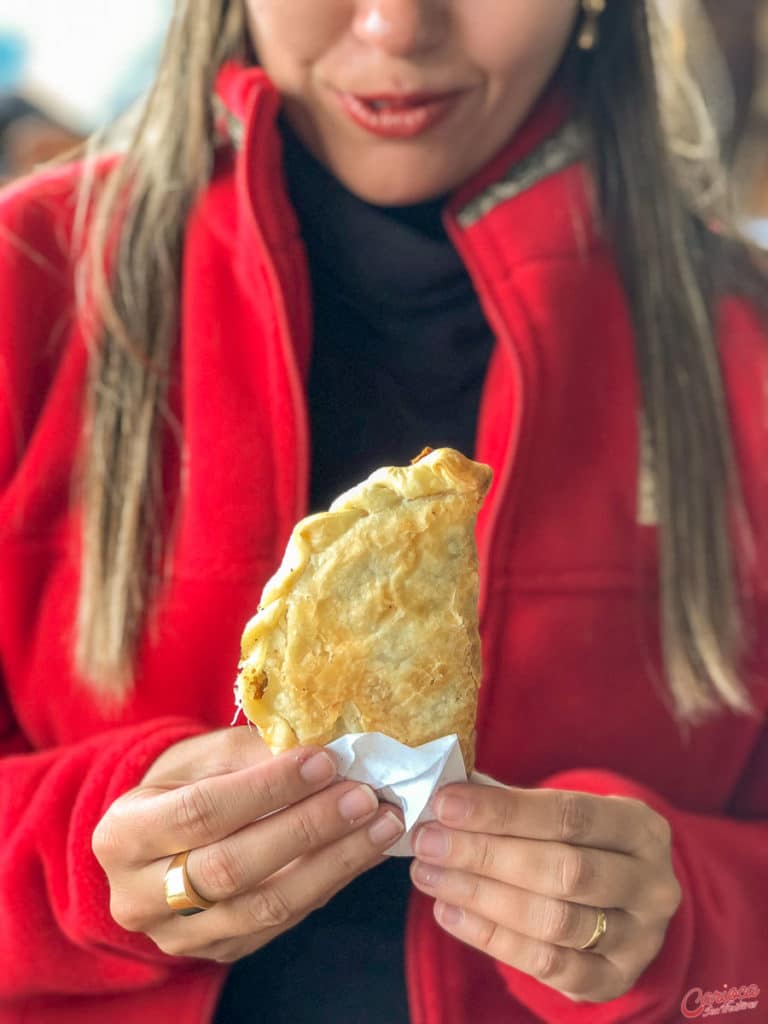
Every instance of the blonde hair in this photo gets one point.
(665, 257)
(167, 159)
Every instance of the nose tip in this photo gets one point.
(399, 27)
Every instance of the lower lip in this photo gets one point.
(398, 122)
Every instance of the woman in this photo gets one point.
(381, 224)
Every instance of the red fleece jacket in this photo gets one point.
(569, 608)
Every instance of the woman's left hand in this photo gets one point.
(520, 875)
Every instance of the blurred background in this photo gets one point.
(67, 68)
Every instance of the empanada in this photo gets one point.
(370, 623)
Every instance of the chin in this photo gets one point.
(389, 192)
(386, 176)
(383, 181)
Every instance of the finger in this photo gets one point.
(574, 873)
(615, 823)
(214, 753)
(225, 869)
(540, 917)
(234, 928)
(240, 862)
(145, 826)
(582, 976)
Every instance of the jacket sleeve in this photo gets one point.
(718, 935)
(56, 931)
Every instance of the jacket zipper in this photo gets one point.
(298, 398)
(286, 343)
(504, 337)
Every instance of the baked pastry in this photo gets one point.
(370, 623)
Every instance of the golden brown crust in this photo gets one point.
(370, 623)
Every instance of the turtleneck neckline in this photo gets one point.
(352, 242)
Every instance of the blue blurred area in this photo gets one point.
(758, 231)
(13, 54)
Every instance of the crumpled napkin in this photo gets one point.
(408, 777)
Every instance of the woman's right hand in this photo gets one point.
(271, 839)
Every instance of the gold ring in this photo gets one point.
(180, 895)
(600, 929)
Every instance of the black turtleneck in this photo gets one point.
(400, 350)
(400, 343)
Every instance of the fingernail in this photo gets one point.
(426, 874)
(452, 808)
(449, 916)
(319, 768)
(385, 829)
(357, 803)
(432, 842)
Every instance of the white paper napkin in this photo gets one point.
(406, 776)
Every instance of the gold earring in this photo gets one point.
(589, 33)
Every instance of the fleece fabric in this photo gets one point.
(573, 691)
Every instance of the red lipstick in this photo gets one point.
(398, 116)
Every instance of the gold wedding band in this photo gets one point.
(600, 929)
(180, 895)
